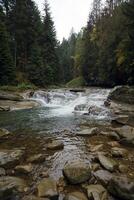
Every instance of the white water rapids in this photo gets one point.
(64, 102)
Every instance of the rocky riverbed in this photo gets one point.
(81, 157)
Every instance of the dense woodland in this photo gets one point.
(102, 53)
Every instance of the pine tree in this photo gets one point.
(49, 48)
(7, 71)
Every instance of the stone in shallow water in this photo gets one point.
(8, 184)
(2, 172)
(126, 133)
(77, 172)
(103, 176)
(32, 197)
(38, 158)
(10, 157)
(122, 187)
(122, 119)
(76, 196)
(88, 132)
(48, 188)
(97, 192)
(24, 169)
(107, 163)
(55, 145)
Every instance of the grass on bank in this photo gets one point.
(77, 82)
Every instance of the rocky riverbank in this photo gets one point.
(104, 171)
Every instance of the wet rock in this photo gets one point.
(114, 144)
(10, 96)
(94, 110)
(55, 145)
(118, 152)
(107, 103)
(4, 108)
(77, 172)
(76, 196)
(103, 176)
(24, 105)
(80, 107)
(108, 163)
(38, 158)
(122, 187)
(24, 169)
(123, 94)
(111, 134)
(48, 188)
(96, 192)
(95, 167)
(10, 184)
(126, 133)
(122, 119)
(4, 132)
(10, 157)
(2, 172)
(88, 132)
(32, 197)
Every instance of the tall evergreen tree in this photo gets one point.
(7, 70)
(49, 48)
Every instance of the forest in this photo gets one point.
(101, 54)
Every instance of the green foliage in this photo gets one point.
(77, 82)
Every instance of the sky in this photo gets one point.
(68, 14)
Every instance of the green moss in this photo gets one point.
(77, 82)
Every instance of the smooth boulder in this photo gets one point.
(55, 145)
(122, 187)
(108, 163)
(75, 196)
(10, 96)
(96, 192)
(10, 157)
(77, 172)
(88, 132)
(48, 188)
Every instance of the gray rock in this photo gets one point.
(108, 163)
(123, 94)
(77, 172)
(88, 132)
(10, 184)
(94, 110)
(48, 188)
(126, 133)
(80, 107)
(10, 96)
(10, 157)
(111, 134)
(97, 192)
(76, 196)
(122, 119)
(38, 158)
(103, 176)
(55, 145)
(4, 108)
(122, 187)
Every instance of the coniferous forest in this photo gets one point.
(101, 54)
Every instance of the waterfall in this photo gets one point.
(64, 102)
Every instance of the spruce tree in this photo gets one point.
(49, 48)
(7, 71)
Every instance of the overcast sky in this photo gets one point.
(67, 14)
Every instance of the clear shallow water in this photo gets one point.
(56, 120)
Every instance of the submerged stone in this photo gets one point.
(77, 172)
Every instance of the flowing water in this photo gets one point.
(58, 118)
